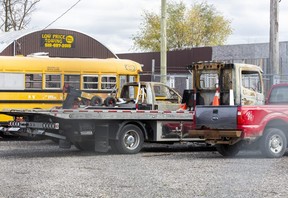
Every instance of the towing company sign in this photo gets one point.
(50, 40)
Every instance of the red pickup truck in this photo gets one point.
(232, 127)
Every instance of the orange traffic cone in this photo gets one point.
(182, 107)
(216, 98)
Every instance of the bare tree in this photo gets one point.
(16, 14)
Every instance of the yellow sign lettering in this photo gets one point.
(46, 36)
(53, 68)
(57, 41)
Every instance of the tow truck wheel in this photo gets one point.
(229, 150)
(130, 140)
(273, 143)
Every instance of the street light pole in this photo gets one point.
(163, 53)
(274, 41)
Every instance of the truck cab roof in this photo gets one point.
(278, 94)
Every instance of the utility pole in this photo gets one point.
(163, 53)
(274, 41)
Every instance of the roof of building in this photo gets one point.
(8, 38)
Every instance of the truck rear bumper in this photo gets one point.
(216, 136)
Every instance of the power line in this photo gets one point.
(62, 14)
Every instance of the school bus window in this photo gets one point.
(33, 81)
(53, 81)
(90, 82)
(11, 81)
(108, 82)
(72, 80)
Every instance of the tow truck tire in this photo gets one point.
(130, 140)
(96, 101)
(273, 143)
(229, 150)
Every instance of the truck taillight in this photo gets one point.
(240, 119)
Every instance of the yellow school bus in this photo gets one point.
(37, 82)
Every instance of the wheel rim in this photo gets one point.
(276, 144)
(111, 102)
(131, 140)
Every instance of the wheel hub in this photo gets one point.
(130, 140)
(276, 144)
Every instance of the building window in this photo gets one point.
(172, 81)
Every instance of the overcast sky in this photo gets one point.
(114, 22)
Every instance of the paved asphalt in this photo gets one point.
(41, 169)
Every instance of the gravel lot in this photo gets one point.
(41, 169)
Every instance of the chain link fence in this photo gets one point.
(270, 79)
(180, 82)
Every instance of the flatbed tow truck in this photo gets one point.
(124, 130)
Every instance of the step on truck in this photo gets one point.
(124, 129)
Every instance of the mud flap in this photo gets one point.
(101, 138)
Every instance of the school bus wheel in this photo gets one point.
(110, 101)
(96, 101)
